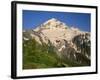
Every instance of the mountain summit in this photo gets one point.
(52, 24)
(70, 44)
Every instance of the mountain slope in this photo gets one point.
(71, 45)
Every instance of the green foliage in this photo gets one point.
(39, 56)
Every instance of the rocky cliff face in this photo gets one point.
(70, 44)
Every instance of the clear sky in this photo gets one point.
(32, 19)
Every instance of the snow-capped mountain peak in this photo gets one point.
(52, 23)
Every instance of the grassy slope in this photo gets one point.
(39, 56)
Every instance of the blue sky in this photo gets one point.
(32, 19)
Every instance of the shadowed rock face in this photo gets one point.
(77, 50)
(70, 44)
